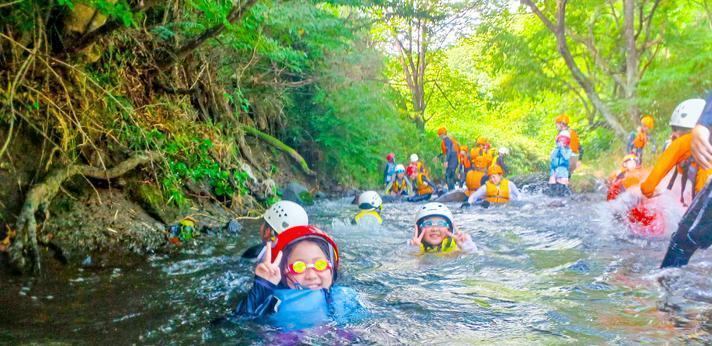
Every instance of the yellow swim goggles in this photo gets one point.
(299, 267)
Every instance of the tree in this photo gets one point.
(417, 28)
(629, 57)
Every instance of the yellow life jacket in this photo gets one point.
(371, 212)
(448, 245)
(399, 185)
(498, 193)
(421, 187)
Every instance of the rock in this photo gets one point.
(452, 196)
(585, 183)
(320, 195)
(297, 193)
(233, 227)
(150, 198)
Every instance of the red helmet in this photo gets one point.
(390, 156)
(304, 232)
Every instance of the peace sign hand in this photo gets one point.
(267, 269)
(417, 238)
(460, 237)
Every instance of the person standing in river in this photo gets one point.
(695, 229)
(450, 151)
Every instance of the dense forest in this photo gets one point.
(197, 92)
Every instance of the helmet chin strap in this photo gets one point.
(296, 284)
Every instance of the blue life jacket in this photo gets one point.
(300, 309)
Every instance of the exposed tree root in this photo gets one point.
(24, 251)
(281, 146)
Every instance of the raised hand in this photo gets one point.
(460, 237)
(417, 238)
(267, 269)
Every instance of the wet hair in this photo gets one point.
(321, 243)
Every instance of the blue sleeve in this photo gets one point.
(706, 118)
(631, 138)
(260, 300)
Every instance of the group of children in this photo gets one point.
(297, 270)
(295, 278)
(472, 169)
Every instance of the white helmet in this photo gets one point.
(413, 157)
(400, 168)
(433, 209)
(369, 200)
(503, 151)
(285, 214)
(687, 113)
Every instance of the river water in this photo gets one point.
(549, 271)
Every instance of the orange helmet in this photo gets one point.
(442, 131)
(647, 121)
(480, 162)
(563, 118)
(495, 169)
(482, 141)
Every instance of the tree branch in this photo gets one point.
(109, 27)
(179, 54)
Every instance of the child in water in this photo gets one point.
(294, 283)
(434, 232)
(280, 216)
(560, 157)
(370, 203)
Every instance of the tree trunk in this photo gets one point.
(631, 60)
(559, 31)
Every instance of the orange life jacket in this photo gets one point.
(640, 140)
(465, 161)
(480, 158)
(473, 181)
(497, 193)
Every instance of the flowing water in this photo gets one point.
(549, 271)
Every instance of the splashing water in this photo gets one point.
(548, 271)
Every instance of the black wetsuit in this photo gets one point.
(695, 228)
(452, 162)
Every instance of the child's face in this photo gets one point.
(496, 178)
(265, 232)
(630, 164)
(435, 231)
(309, 252)
(400, 175)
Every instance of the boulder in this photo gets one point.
(452, 196)
(297, 193)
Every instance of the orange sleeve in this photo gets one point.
(678, 151)
(702, 176)
(575, 144)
